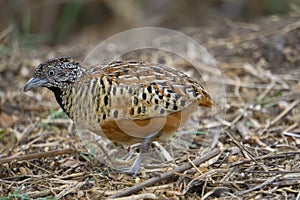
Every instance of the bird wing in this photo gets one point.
(138, 90)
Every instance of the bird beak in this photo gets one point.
(34, 83)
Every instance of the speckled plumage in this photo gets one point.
(118, 99)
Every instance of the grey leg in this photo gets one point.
(144, 146)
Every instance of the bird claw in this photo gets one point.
(130, 171)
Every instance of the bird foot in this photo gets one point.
(132, 171)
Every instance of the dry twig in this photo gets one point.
(260, 186)
(38, 155)
(166, 175)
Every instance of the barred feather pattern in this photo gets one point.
(123, 91)
(131, 90)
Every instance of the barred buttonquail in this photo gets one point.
(126, 101)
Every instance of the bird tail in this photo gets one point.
(205, 99)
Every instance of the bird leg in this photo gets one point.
(144, 146)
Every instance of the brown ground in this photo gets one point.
(259, 143)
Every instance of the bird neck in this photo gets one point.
(58, 92)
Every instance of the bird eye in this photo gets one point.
(51, 72)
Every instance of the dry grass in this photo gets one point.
(257, 155)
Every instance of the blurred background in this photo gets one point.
(48, 22)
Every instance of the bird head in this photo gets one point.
(55, 73)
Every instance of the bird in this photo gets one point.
(126, 101)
